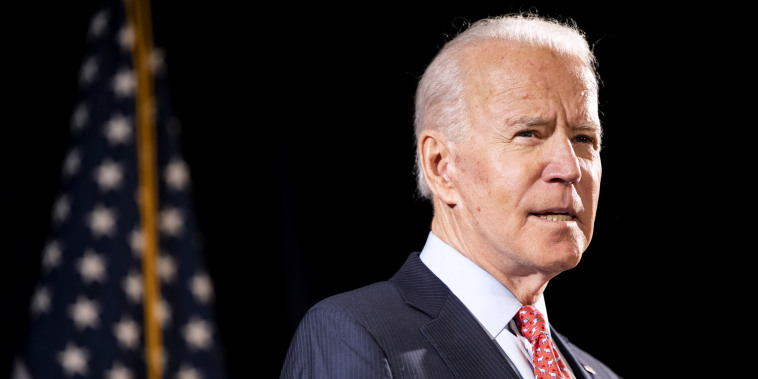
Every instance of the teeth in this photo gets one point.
(556, 217)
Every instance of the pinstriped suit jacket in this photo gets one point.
(411, 326)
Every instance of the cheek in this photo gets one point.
(508, 188)
(483, 185)
(470, 174)
(479, 185)
(590, 191)
(593, 171)
(493, 186)
(513, 180)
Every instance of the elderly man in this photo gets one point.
(508, 148)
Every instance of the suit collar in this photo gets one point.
(453, 331)
(420, 288)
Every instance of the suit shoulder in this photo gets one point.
(362, 300)
(379, 309)
(332, 341)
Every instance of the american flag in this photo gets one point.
(87, 311)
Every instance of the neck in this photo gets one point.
(526, 283)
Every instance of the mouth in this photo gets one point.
(557, 215)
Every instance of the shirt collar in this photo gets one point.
(491, 303)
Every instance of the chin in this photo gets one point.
(559, 260)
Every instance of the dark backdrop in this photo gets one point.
(297, 127)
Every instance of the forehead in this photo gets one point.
(500, 71)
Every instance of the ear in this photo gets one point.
(436, 159)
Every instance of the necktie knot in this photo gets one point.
(546, 360)
(531, 323)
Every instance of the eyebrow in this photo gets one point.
(534, 121)
(592, 127)
(529, 121)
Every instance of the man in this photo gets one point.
(508, 146)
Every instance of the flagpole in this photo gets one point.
(138, 14)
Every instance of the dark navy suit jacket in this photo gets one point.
(411, 326)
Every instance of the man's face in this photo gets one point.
(528, 175)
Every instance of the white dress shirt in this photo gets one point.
(491, 303)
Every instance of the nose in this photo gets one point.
(561, 163)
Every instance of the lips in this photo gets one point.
(556, 214)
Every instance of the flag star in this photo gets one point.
(85, 313)
(197, 333)
(133, 286)
(118, 372)
(51, 257)
(127, 333)
(92, 267)
(61, 209)
(118, 130)
(157, 61)
(88, 71)
(201, 287)
(137, 242)
(98, 24)
(102, 221)
(20, 370)
(80, 117)
(74, 360)
(72, 162)
(171, 222)
(41, 301)
(166, 268)
(188, 372)
(126, 37)
(163, 313)
(109, 175)
(124, 83)
(176, 174)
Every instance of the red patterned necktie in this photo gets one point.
(547, 361)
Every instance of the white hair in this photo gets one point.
(440, 101)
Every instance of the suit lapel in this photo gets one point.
(453, 331)
(464, 345)
(566, 351)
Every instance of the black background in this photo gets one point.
(297, 127)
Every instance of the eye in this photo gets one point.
(584, 139)
(525, 133)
